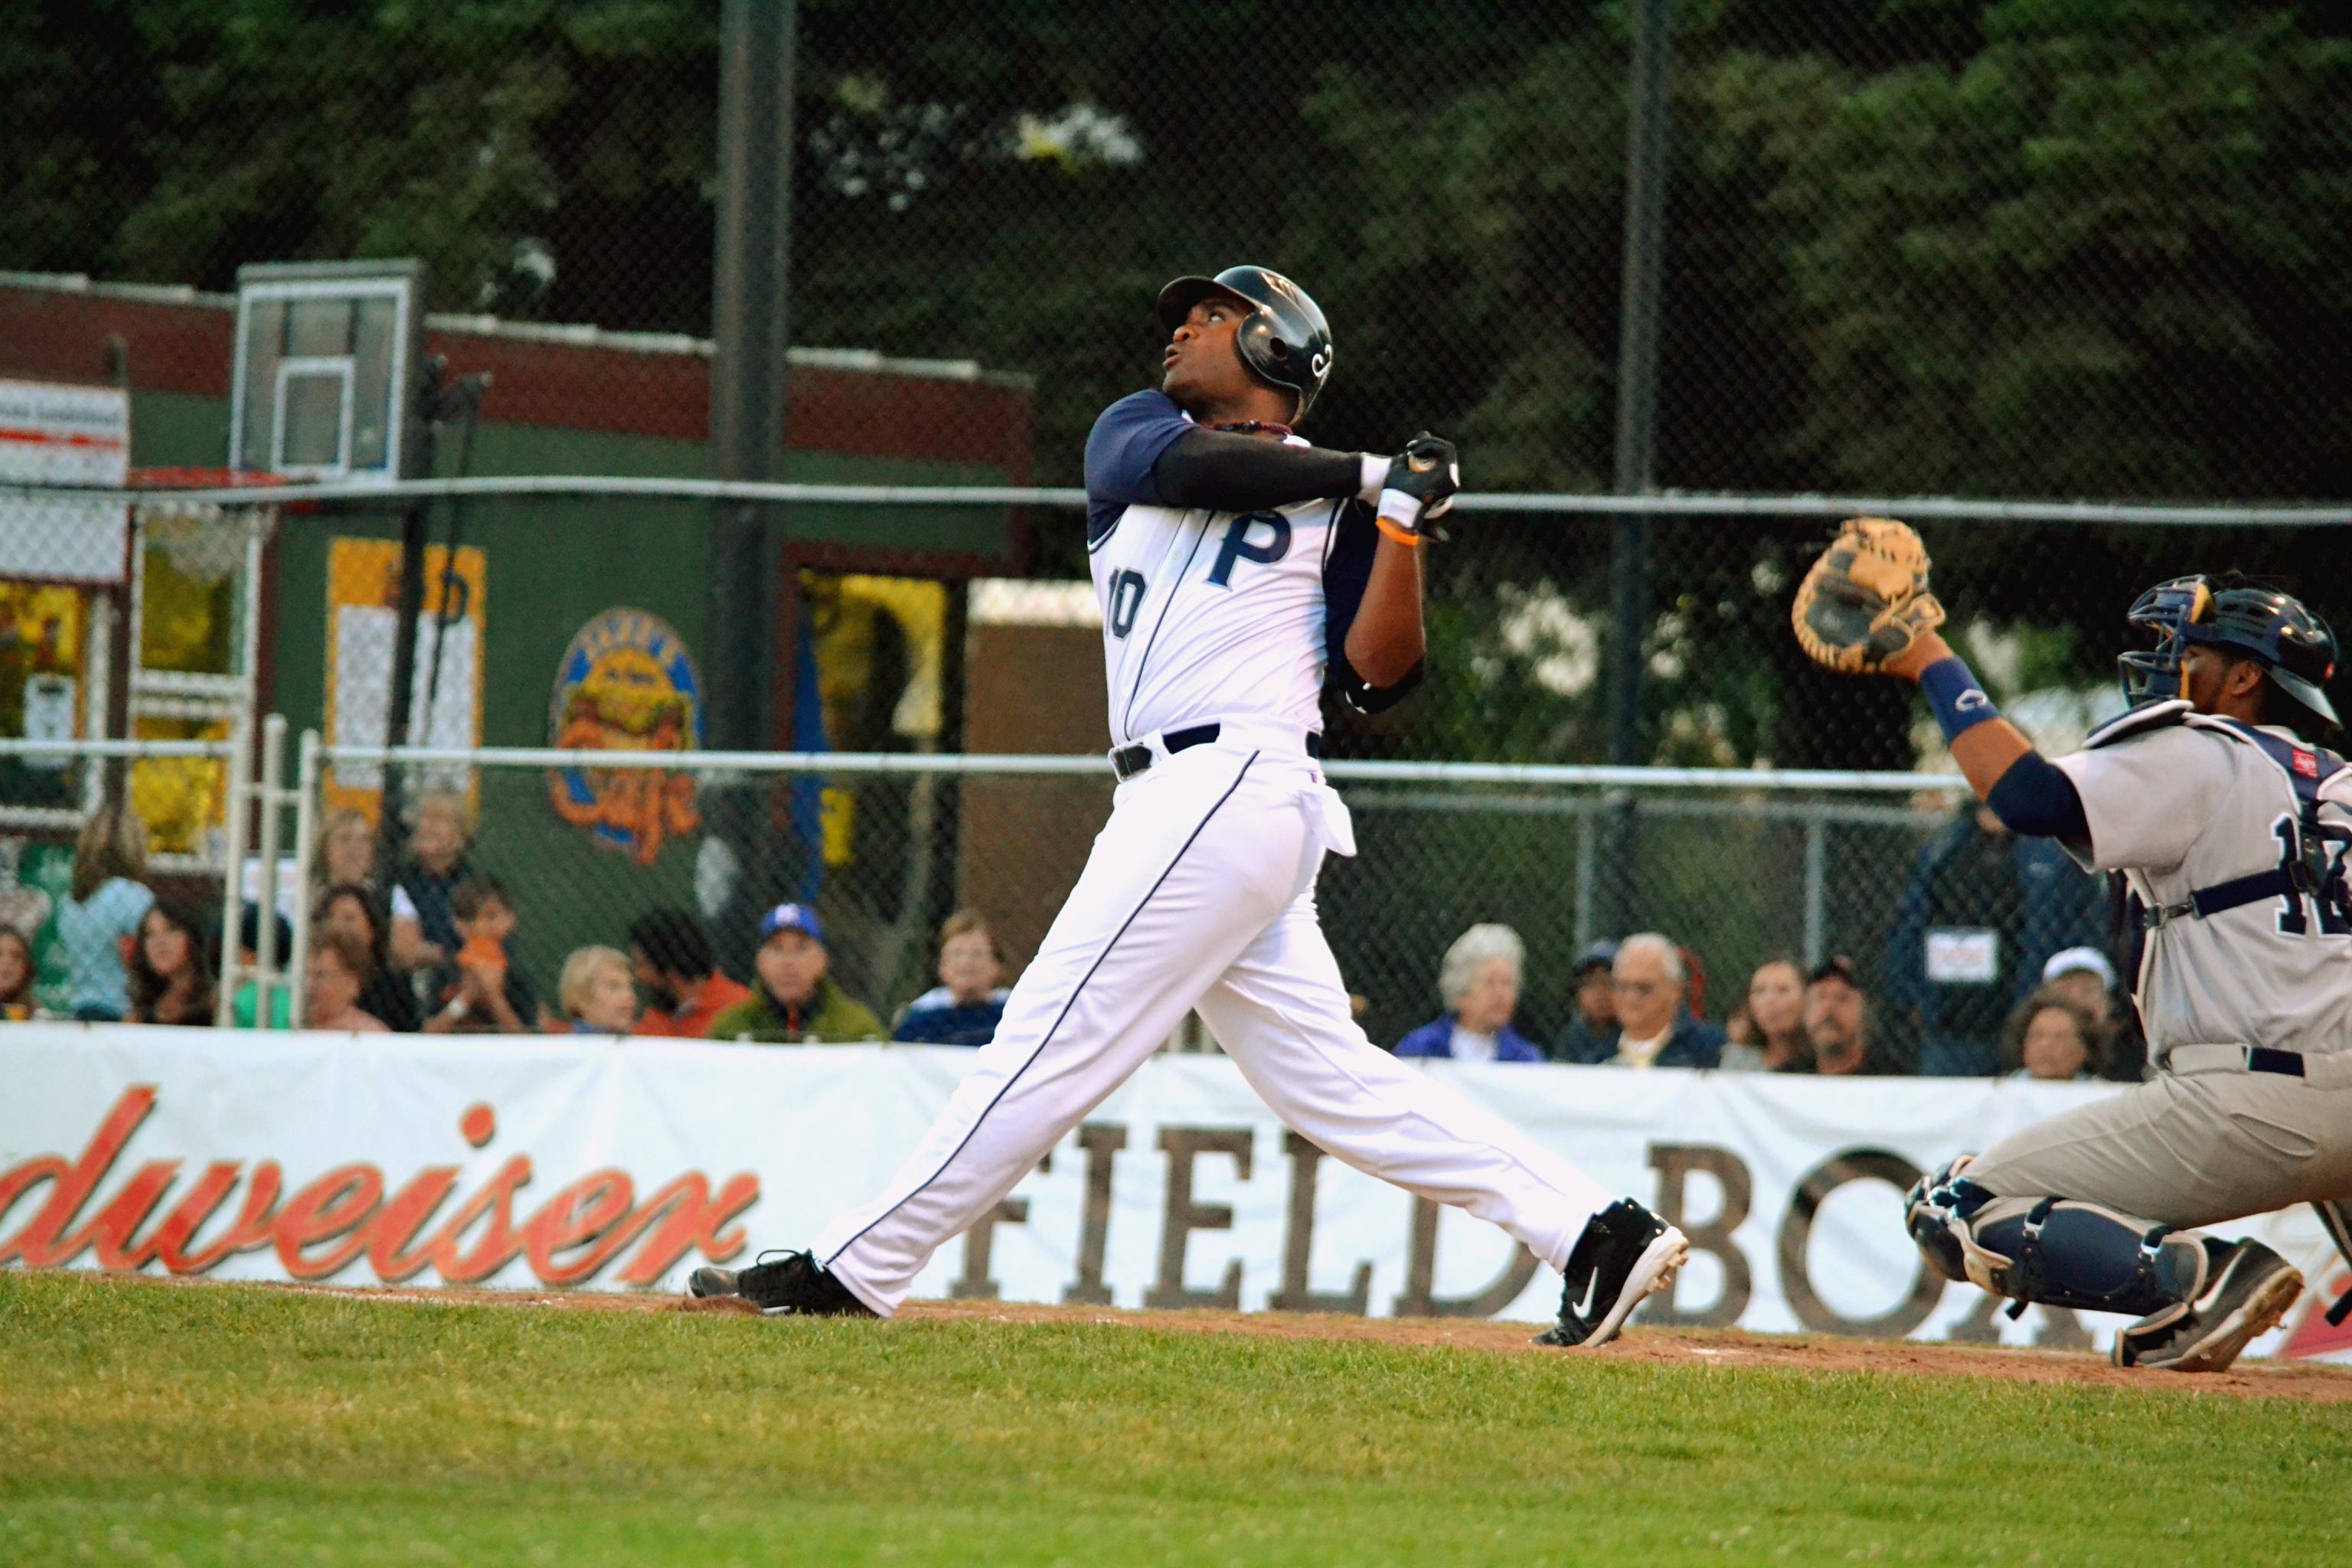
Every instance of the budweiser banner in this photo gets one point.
(589, 1164)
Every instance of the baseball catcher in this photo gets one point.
(2229, 825)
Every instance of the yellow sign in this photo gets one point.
(363, 623)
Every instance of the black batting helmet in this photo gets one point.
(2294, 647)
(1282, 340)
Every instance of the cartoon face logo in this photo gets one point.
(626, 684)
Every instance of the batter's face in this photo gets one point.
(1203, 373)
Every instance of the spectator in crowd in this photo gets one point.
(686, 993)
(596, 994)
(2084, 976)
(1479, 983)
(1838, 1024)
(1984, 911)
(796, 999)
(1774, 1014)
(173, 967)
(16, 1004)
(482, 990)
(244, 1006)
(99, 918)
(340, 968)
(424, 923)
(1592, 1033)
(1654, 1028)
(390, 994)
(2053, 1037)
(964, 1008)
(345, 853)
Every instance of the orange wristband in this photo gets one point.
(1410, 540)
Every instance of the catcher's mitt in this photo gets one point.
(1866, 600)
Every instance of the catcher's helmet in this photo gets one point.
(1282, 340)
(2294, 647)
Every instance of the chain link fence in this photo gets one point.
(1974, 250)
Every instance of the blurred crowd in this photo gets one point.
(1992, 966)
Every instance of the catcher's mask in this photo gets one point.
(2294, 647)
(1284, 340)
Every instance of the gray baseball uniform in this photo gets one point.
(2236, 837)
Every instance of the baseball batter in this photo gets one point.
(2228, 826)
(1241, 573)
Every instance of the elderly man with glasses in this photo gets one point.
(1654, 1030)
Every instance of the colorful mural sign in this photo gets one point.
(626, 684)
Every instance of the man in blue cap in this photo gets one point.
(796, 1000)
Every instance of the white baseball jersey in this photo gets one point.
(1199, 893)
(2182, 802)
(1212, 616)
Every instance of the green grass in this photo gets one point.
(144, 1425)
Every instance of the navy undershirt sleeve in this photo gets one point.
(1125, 446)
(1122, 450)
(2036, 798)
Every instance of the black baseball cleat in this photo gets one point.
(795, 1284)
(2248, 1289)
(1626, 1253)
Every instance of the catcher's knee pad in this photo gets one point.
(2057, 1251)
(1937, 1210)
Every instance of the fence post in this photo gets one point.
(1588, 833)
(1637, 408)
(265, 932)
(306, 836)
(1816, 879)
(238, 807)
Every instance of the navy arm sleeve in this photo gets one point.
(1346, 571)
(2036, 798)
(1144, 452)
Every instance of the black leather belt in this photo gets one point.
(2263, 1059)
(1129, 761)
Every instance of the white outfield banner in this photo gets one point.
(563, 1160)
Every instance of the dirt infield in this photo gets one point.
(2311, 1382)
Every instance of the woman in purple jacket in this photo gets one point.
(1480, 983)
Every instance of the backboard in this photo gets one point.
(328, 354)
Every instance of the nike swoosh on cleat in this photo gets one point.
(1592, 1288)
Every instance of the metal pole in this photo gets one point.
(1816, 883)
(306, 836)
(273, 800)
(238, 805)
(750, 332)
(750, 329)
(1637, 406)
(411, 605)
(1588, 833)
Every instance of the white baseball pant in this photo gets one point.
(1200, 892)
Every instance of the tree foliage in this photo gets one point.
(2068, 248)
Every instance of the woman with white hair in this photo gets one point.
(1480, 983)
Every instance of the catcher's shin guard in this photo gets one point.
(2056, 1251)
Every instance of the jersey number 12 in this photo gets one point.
(2322, 865)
